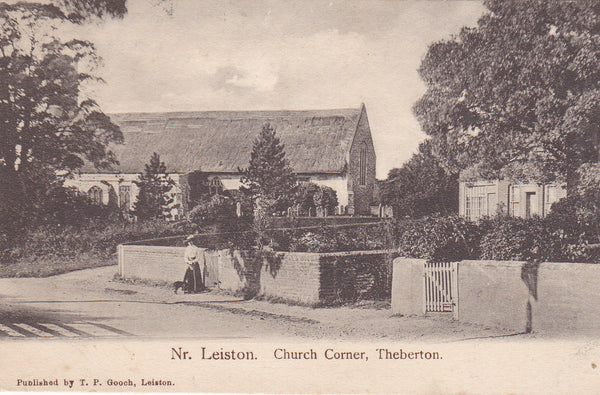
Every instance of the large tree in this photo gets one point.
(154, 185)
(269, 179)
(421, 186)
(47, 123)
(519, 95)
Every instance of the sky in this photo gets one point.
(180, 55)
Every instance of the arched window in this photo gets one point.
(215, 186)
(362, 165)
(125, 197)
(95, 193)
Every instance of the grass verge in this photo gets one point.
(51, 266)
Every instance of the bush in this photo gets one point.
(576, 226)
(95, 238)
(519, 239)
(437, 238)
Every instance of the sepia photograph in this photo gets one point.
(345, 196)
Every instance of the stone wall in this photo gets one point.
(492, 293)
(301, 277)
(559, 298)
(568, 299)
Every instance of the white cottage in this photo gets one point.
(488, 198)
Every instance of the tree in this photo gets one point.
(421, 186)
(518, 95)
(269, 179)
(47, 120)
(198, 188)
(48, 124)
(154, 185)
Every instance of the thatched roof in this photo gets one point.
(221, 141)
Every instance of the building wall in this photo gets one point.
(339, 183)
(110, 184)
(360, 194)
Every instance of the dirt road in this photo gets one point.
(91, 303)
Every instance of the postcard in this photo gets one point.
(355, 196)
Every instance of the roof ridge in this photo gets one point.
(228, 113)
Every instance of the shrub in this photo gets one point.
(437, 238)
(96, 238)
(510, 238)
(576, 226)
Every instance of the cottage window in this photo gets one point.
(95, 194)
(478, 201)
(552, 196)
(362, 164)
(515, 194)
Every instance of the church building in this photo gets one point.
(327, 147)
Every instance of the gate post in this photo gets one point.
(455, 298)
(408, 286)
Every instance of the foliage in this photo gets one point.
(358, 237)
(243, 199)
(269, 177)
(575, 222)
(199, 190)
(520, 93)
(437, 238)
(511, 238)
(218, 210)
(421, 186)
(49, 125)
(154, 185)
(311, 198)
(47, 118)
(93, 238)
(588, 187)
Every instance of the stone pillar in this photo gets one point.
(408, 286)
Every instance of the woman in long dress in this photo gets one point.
(192, 280)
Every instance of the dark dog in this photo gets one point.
(178, 285)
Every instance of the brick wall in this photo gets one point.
(293, 276)
(560, 298)
(302, 277)
(156, 263)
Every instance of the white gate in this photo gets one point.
(440, 287)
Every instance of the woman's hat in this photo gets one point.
(189, 238)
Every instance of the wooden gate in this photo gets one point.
(440, 287)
